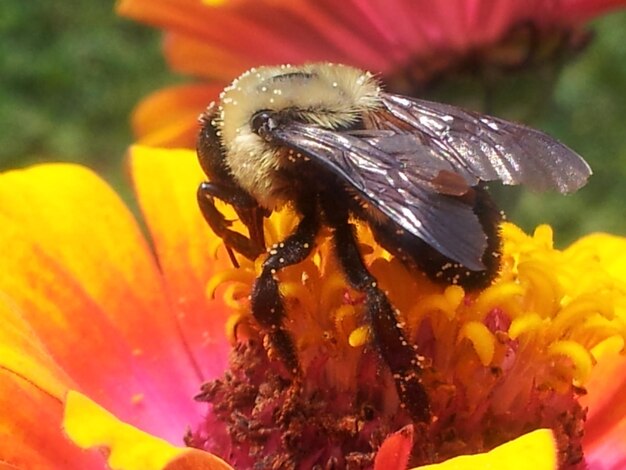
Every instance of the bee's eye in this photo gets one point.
(260, 122)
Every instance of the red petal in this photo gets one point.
(395, 451)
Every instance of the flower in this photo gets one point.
(89, 306)
(413, 45)
(95, 318)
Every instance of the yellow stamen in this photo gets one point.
(525, 324)
(481, 338)
(505, 296)
(345, 320)
(230, 275)
(580, 356)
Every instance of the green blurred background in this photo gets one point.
(71, 72)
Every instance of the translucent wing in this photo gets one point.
(485, 148)
(416, 160)
(403, 178)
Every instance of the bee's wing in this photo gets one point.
(485, 148)
(403, 178)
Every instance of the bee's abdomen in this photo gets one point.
(416, 253)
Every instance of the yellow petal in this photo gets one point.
(536, 450)
(89, 425)
(166, 181)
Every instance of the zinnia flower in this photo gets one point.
(96, 317)
(411, 44)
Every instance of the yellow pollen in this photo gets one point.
(359, 337)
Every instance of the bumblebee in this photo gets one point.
(326, 140)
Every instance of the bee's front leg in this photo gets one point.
(267, 306)
(250, 247)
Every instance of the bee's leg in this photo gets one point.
(267, 306)
(251, 247)
(390, 340)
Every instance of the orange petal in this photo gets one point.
(166, 182)
(81, 276)
(536, 450)
(169, 117)
(30, 429)
(189, 55)
(606, 391)
(89, 425)
(395, 451)
(23, 355)
(31, 389)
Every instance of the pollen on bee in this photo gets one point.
(263, 88)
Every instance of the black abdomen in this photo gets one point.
(414, 252)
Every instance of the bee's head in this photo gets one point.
(327, 95)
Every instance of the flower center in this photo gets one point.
(496, 363)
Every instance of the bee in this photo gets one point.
(326, 140)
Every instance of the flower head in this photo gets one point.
(91, 307)
(500, 362)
